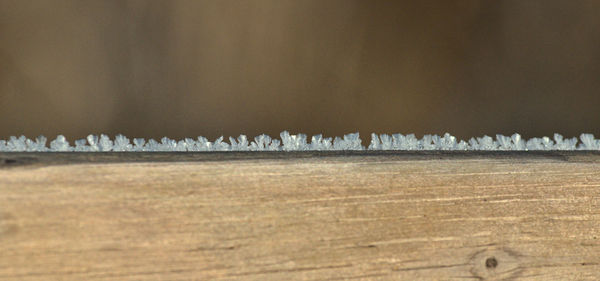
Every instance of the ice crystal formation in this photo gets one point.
(299, 142)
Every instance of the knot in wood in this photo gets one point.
(493, 264)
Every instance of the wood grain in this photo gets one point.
(300, 216)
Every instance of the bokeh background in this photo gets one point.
(227, 67)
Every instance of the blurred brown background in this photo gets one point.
(221, 67)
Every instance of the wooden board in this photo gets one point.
(300, 216)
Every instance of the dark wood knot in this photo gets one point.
(491, 262)
(496, 264)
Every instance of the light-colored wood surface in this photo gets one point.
(303, 218)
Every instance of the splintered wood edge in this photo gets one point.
(367, 215)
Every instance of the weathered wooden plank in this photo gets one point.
(300, 216)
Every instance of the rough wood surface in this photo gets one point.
(300, 216)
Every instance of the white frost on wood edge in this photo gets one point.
(299, 142)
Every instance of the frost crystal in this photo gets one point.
(240, 145)
(299, 142)
(138, 144)
(203, 144)
(38, 145)
(588, 142)
(122, 144)
(105, 144)
(93, 141)
(317, 142)
(264, 142)
(293, 142)
(80, 145)
(219, 145)
(349, 142)
(60, 144)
